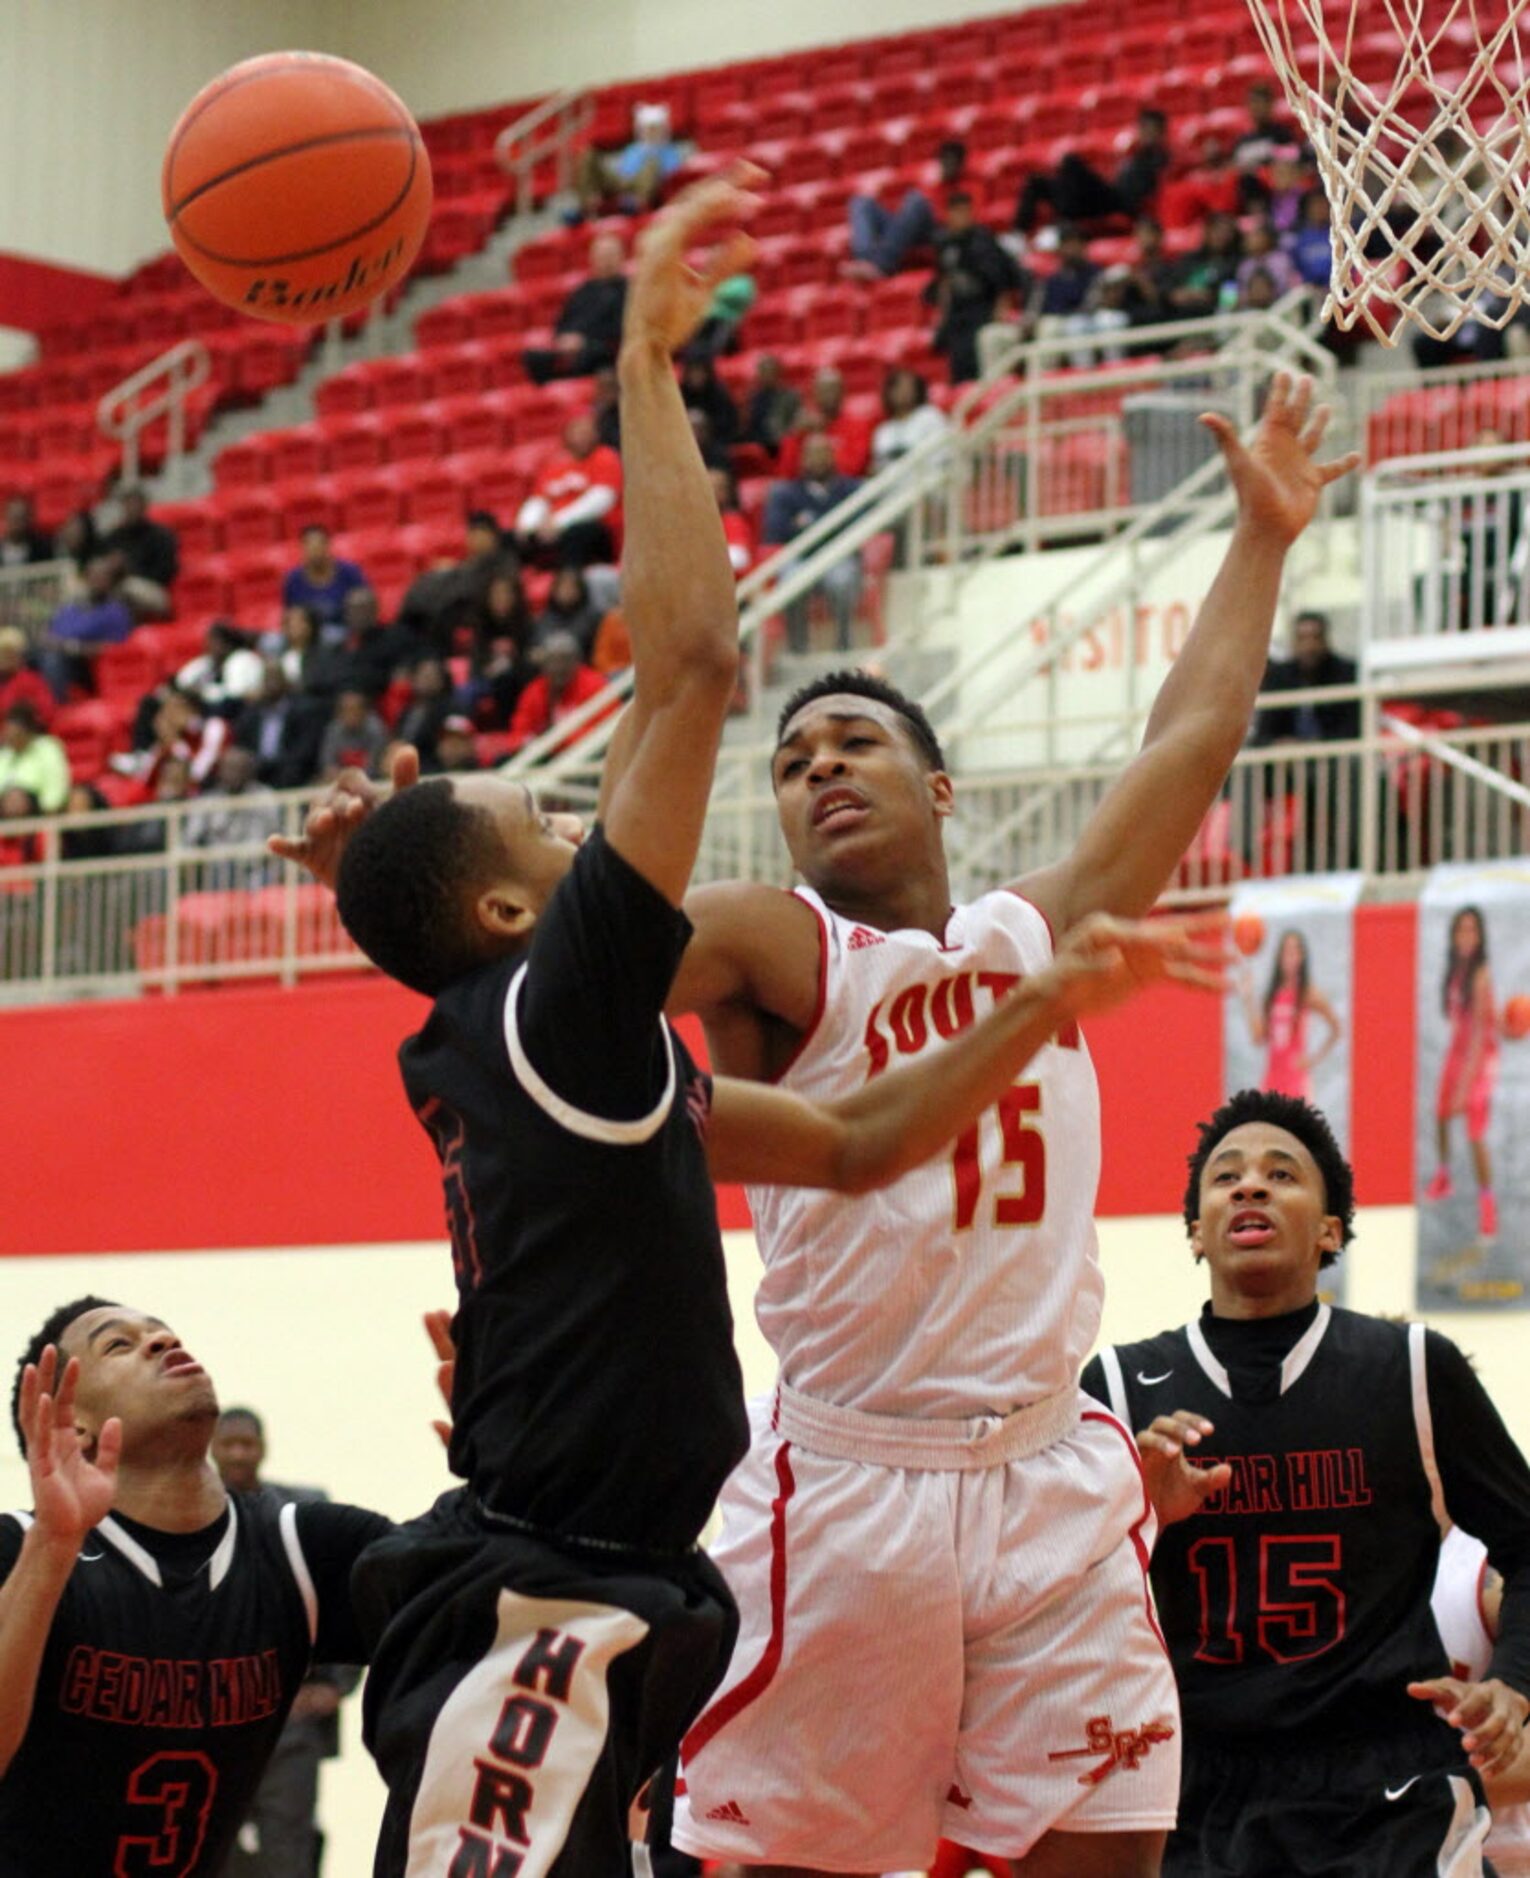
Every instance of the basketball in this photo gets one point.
(297, 187)
(1516, 1016)
(1248, 933)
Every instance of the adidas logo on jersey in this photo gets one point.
(863, 936)
(730, 1812)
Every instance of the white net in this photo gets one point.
(1418, 113)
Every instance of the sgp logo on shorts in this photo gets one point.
(1112, 1747)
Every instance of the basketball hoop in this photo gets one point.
(1418, 113)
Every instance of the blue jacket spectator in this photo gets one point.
(1310, 243)
(321, 580)
(793, 507)
(82, 629)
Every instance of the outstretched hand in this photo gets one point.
(668, 298)
(71, 1492)
(438, 1327)
(1490, 1715)
(1277, 476)
(1175, 1485)
(1103, 961)
(339, 812)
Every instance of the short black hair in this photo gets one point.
(1296, 1117)
(481, 518)
(404, 883)
(58, 1321)
(243, 1415)
(1316, 615)
(24, 713)
(867, 685)
(959, 196)
(314, 528)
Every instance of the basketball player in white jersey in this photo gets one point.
(937, 1544)
(1467, 1594)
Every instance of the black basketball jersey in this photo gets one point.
(169, 1668)
(1298, 1599)
(597, 1391)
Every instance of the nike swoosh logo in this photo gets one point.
(89, 1558)
(1148, 1381)
(1396, 1793)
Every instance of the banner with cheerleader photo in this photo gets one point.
(1286, 1021)
(1472, 1109)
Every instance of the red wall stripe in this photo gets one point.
(37, 294)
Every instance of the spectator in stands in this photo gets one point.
(450, 595)
(569, 610)
(792, 508)
(634, 180)
(881, 240)
(571, 514)
(22, 542)
(226, 674)
(563, 685)
(1261, 253)
(908, 417)
(826, 416)
(296, 646)
(372, 652)
(1256, 291)
(703, 390)
(33, 760)
(429, 704)
(1290, 182)
(732, 298)
(1310, 244)
(354, 737)
(181, 730)
(974, 277)
(589, 329)
(1211, 186)
(713, 454)
(82, 629)
(606, 408)
(1153, 275)
(1065, 290)
(77, 540)
(772, 406)
(16, 850)
(1207, 279)
(322, 579)
(148, 555)
(736, 529)
(20, 683)
(281, 730)
(236, 810)
(1313, 664)
(456, 747)
(1076, 192)
(1104, 312)
(1267, 134)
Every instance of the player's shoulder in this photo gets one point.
(1361, 1332)
(1166, 1349)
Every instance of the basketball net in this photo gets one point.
(1417, 114)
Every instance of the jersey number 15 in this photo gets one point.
(1024, 1148)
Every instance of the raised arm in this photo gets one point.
(677, 581)
(1127, 854)
(900, 1119)
(70, 1494)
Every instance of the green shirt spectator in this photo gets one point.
(32, 760)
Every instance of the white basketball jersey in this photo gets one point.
(1457, 1602)
(972, 1285)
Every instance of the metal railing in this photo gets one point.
(1446, 549)
(173, 894)
(553, 129)
(159, 389)
(1442, 407)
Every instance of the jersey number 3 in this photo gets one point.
(1025, 1148)
(175, 1792)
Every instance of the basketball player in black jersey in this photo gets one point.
(154, 1628)
(1297, 1554)
(545, 1635)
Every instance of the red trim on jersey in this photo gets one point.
(1139, 1544)
(823, 988)
(763, 1674)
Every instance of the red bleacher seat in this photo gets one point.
(306, 503)
(202, 589)
(369, 498)
(415, 435)
(252, 520)
(243, 464)
(437, 494)
(479, 422)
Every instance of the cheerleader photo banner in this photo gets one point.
(1472, 1126)
(1286, 1022)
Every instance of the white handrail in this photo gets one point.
(1457, 759)
(570, 112)
(124, 412)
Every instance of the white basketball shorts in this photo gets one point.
(951, 1635)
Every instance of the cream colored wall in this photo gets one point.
(327, 1345)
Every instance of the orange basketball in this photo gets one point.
(1516, 1016)
(1248, 933)
(297, 187)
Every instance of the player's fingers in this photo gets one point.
(109, 1447)
(1475, 1708)
(1187, 1418)
(40, 1452)
(64, 1397)
(1316, 425)
(1341, 466)
(286, 847)
(1278, 398)
(26, 1404)
(1210, 1480)
(438, 1327)
(405, 769)
(736, 255)
(444, 1430)
(1197, 977)
(1300, 402)
(1230, 443)
(1164, 1441)
(1436, 1689)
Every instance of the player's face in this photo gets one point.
(135, 1367)
(857, 806)
(540, 848)
(1264, 1222)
